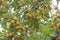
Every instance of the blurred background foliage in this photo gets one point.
(29, 20)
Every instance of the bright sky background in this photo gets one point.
(54, 4)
